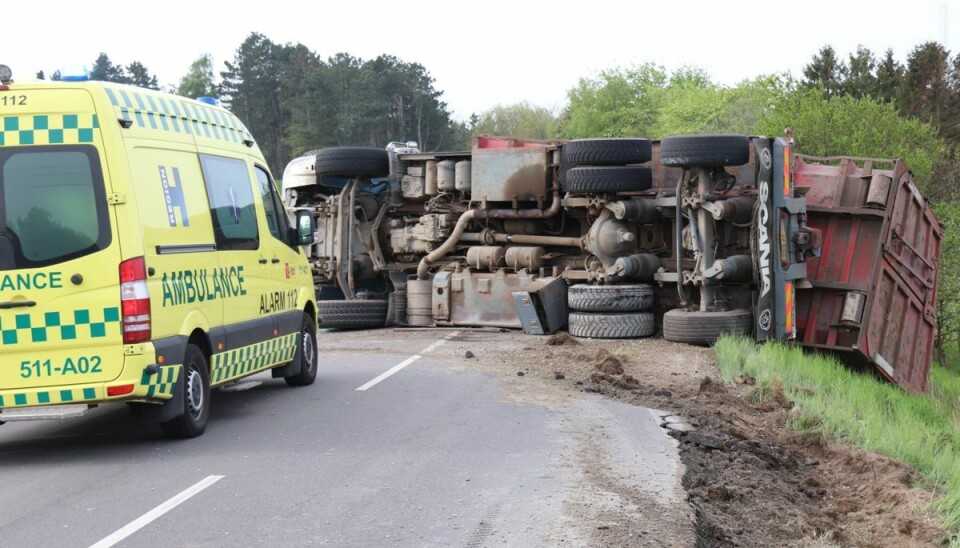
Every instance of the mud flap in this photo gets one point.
(779, 260)
(542, 306)
(170, 409)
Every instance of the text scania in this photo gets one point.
(763, 239)
(191, 286)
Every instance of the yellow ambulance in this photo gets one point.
(145, 255)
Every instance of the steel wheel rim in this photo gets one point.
(307, 350)
(194, 392)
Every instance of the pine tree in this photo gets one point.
(106, 71)
(139, 76)
(825, 71)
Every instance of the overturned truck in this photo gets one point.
(610, 238)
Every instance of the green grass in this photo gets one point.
(921, 430)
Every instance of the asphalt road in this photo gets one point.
(435, 454)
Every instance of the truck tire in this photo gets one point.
(704, 328)
(195, 388)
(610, 298)
(606, 152)
(356, 314)
(352, 162)
(628, 325)
(704, 150)
(591, 180)
(306, 354)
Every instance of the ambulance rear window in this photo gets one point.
(52, 205)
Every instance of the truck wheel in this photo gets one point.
(352, 161)
(610, 298)
(611, 326)
(590, 180)
(194, 386)
(606, 152)
(704, 328)
(704, 150)
(356, 314)
(306, 355)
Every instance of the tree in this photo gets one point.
(855, 127)
(106, 71)
(138, 75)
(825, 72)
(518, 120)
(250, 86)
(40, 76)
(616, 103)
(861, 80)
(199, 79)
(889, 77)
(926, 84)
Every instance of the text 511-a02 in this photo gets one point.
(13, 100)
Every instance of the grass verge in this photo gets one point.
(922, 431)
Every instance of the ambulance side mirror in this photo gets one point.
(306, 226)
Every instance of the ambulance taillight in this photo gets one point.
(135, 301)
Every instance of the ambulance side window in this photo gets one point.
(276, 213)
(231, 202)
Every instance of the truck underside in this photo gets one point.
(704, 234)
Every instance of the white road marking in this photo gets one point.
(407, 362)
(389, 372)
(150, 516)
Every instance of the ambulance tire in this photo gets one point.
(704, 150)
(352, 162)
(195, 389)
(704, 328)
(355, 314)
(306, 355)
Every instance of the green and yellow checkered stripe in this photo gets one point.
(171, 114)
(51, 396)
(243, 361)
(161, 384)
(48, 129)
(52, 327)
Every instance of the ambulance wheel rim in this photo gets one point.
(308, 347)
(194, 393)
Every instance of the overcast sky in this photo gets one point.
(480, 53)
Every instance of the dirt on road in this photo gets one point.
(750, 478)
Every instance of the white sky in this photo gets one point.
(480, 53)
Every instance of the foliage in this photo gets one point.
(917, 429)
(646, 101)
(844, 125)
(199, 80)
(522, 120)
(292, 100)
(136, 74)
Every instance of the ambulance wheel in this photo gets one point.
(704, 150)
(195, 390)
(704, 328)
(306, 355)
